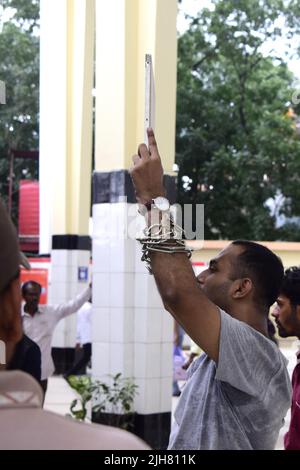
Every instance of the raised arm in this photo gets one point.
(68, 308)
(179, 289)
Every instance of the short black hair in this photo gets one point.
(291, 285)
(30, 283)
(263, 267)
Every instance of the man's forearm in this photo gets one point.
(174, 277)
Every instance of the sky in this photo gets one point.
(193, 6)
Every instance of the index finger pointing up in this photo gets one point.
(152, 143)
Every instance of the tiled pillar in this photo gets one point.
(70, 274)
(132, 333)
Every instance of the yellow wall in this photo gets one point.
(288, 252)
(66, 82)
(139, 27)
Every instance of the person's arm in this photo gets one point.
(183, 298)
(174, 276)
(68, 308)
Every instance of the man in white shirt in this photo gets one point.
(83, 340)
(39, 322)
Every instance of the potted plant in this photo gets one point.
(112, 402)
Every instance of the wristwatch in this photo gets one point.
(161, 203)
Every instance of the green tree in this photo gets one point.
(19, 69)
(236, 146)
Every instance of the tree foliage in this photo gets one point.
(19, 69)
(237, 145)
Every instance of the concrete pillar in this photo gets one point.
(132, 333)
(66, 83)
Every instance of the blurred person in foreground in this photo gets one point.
(23, 422)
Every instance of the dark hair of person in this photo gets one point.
(291, 285)
(29, 284)
(263, 267)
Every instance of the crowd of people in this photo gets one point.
(238, 389)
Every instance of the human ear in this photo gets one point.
(241, 288)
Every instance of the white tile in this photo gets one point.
(122, 325)
(147, 360)
(101, 255)
(122, 289)
(101, 220)
(140, 398)
(152, 396)
(79, 257)
(83, 257)
(148, 325)
(146, 293)
(116, 325)
(121, 359)
(122, 253)
(128, 325)
(59, 290)
(117, 358)
(140, 352)
(128, 360)
(140, 291)
(148, 398)
(165, 395)
(116, 222)
(166, 360)
(154, 299)
(101, 210)
(60, 257)
(101, 325)
(58, 299)
(74, 258)
(167, 326)
(154, 325)
(101, 290)
(153, 360)
(60, 274)
(101, 359)
(140, 325)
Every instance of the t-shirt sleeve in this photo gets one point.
(247, 360)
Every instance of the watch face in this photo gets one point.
(162, 203)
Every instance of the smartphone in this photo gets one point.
(149, 96)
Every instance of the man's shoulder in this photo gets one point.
(64, 432)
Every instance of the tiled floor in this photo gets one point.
(60, 395)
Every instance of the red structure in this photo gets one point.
(29, 216)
